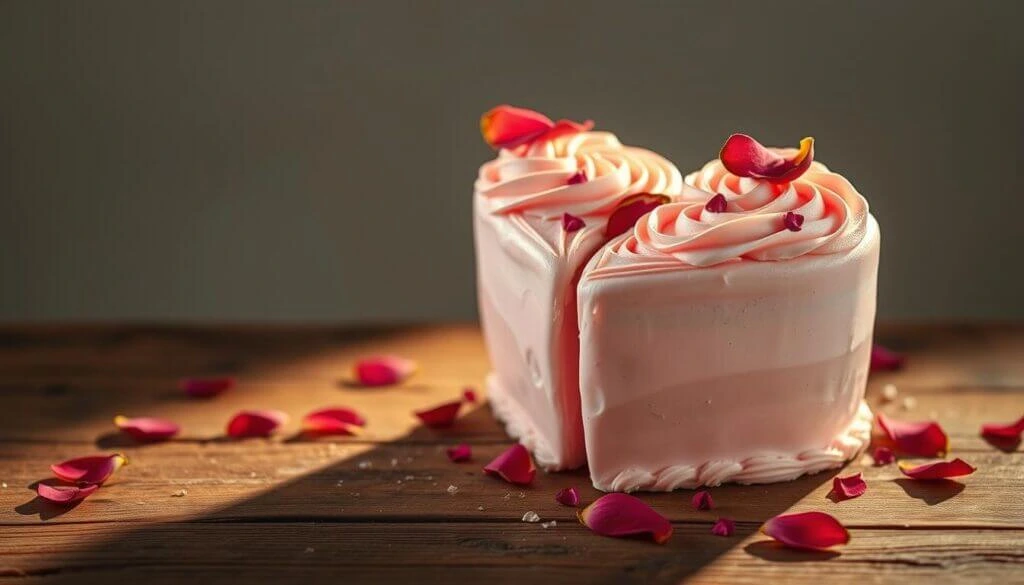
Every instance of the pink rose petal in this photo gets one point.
(883, 456)
(65, 494)
(571, 223)
(383, 370)
(937, 469)
(793, 221)
(723, 527)
(206, 387)
(808, 530)
(884, 359)
(514, 466)
(577, 178)
(459, 453)
(745, 157)
(333, 421)
(702, 500)
(255, 423)
(924, 439)
(569, 496)
(717, 204)
(624, 515)
(93, 469)
(146, 429)
(1009, 431)
(851, 486)
(631, 209)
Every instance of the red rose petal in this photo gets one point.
(793, 221)
(883, 456)
(93, 469)
(333, 421)
(884, 359)
(459, 453)
(469, 395)
(146, 428)
(808, 530)
(717, 204)
(577, 178)
(630, 210)
(1010, 431)
(508, 127)
(924, 439)
(571, 223)
(852, 486)
(563, 127)
(723, 527)
(702, 500)
(514, 466)
(568, 497)
(625, 515)
(255, 423)
(937, 469)
(745, 157)
(383, 370)
(65, 494)
(442, 416)
(205, 387)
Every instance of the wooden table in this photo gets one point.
(377, 508)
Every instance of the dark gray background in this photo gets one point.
(259, 160)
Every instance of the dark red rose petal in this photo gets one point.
(630, 210)
(571, 223)
(255, 423)
(469, 395)
(205, 387)
(884, 359)
(459, 453)
(702, 500)
(808, 530)
(937, 469)
(745, 157)
(1010, 431)
(845, 488)
(514, 466)
(723, 527)
(383, 370)
(65, 494)
(577, 178)
(924, 439)
(441, 416)
(717, 204)
(793, 221)
(568, 497)
(624, 515)
(883, 456)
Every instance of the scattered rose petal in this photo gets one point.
(508, 127)
(65, 494)
(333, 421)
(702, 500)
(717, 204)
(884, 359)
(255, 423)
(383, 370)
(883, 456)
(1009, 431)
(93, 469)
(808, 530)
(571, 223)
(568, 497)
(469, 395)
(852, 486)
(793, 221)
(514, 466)
(723, 527)
(459, 453)
(937, 469)
(577, 178)
(625, 515)
(205, 387)
(442, 416)
(147, 429)
(745, 157)
(925, 439)
(629, 210)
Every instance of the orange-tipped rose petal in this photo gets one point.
(937, 469)
(459, 453)
(809, 530)
(723, 527)
(255, 423)
(333, 421)
(745, 157)
(94, 469)
(884, 359)
(514, 466)
(205, 387)
(631, 209)
(702, 500)
(508, 127)
(569, 496)
(441, 416)
(625, 515)
(65, 494)
(924, 439)
(383, 370)
(147, 429)
(1010, 431)
(848, 487)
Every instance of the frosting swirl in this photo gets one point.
(534, 179)
(752, 226)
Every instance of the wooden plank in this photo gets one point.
(494, 552)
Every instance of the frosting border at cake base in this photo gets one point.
(506, 410)
(753, 470)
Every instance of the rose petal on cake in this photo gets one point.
(716, 204)
(629, 210)
(793, 221)
(937, 469)
(624, 515)
(507, 126)
(459, 453)
(441, 416)
(723, 527)
(514, 466)
(702, 500)
(205, 387)
(745, 157)
(884, 359)
(65, 494)
(883, 456)
(577, 178)
(569, 496)
(924, 439)
(92, 469)
(1009, 431)
(564, 127)
(333, 421)
(255, 423)
(147, 429)
(807, 530)
(851, 486)
(469, 395)
(571, 223)
(383, 370)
